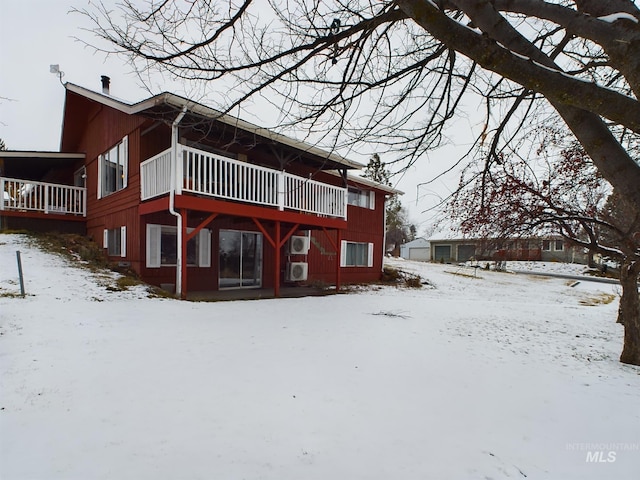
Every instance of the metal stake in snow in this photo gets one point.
(20, 272)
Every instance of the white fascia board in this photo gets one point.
(370, 183)
(354, 179)
(36, 154)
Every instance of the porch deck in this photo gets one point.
(42, 198)
(259, 294)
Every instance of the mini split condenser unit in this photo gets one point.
(298, 245)
(297, 271)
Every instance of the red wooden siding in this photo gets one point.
(93, 128)
(364, 225)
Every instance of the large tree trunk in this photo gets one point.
(629, 312)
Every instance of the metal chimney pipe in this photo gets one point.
(105, 84)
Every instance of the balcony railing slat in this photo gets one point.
(28, 195)
(209, 174)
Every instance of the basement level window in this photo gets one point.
(115, 241)
(356, 254)
(162, 247)
(169, 248)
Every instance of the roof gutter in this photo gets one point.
(175, 176)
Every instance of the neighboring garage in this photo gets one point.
(466, 252)
(442, 253)
(418, 249)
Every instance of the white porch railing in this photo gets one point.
(205, 173)
(27, 195)
(155, 175)
(312, 196)
(210, 174)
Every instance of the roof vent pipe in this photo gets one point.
(105, 84)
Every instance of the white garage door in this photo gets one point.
(420, 254)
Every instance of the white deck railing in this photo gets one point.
(205, 173)
(27, 195)
(210, 174)
(155, 175)
(314, 197)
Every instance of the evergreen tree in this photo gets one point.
(377, 171)
(398, 230)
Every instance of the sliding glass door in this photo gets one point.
(240, 259)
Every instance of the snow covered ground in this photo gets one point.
(498, 376)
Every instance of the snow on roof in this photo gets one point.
(418, 242)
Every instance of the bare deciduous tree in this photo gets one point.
(560, 194)
(398, 73)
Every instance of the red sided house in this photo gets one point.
(196, 200)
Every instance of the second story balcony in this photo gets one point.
(207, 174)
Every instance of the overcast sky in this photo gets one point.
(36, 34)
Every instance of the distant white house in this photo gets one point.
(418, 249)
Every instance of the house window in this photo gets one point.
(559, 245)
(546, 245)
(112, 169)
(361, 198)
(162, 247)
(115, 241)
(169, 248)
(356, 254)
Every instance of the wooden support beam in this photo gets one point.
(337, 247)
(253, 211)
(338, 254)
(203, 224)
(333, 244)
(288, 235)
(271, 241)
(183, 266)
(276, 284)
(264, 232)
(152, 206)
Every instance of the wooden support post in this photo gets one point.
(183, 266)
(337, 247)
(276, 284)
(338, 260)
